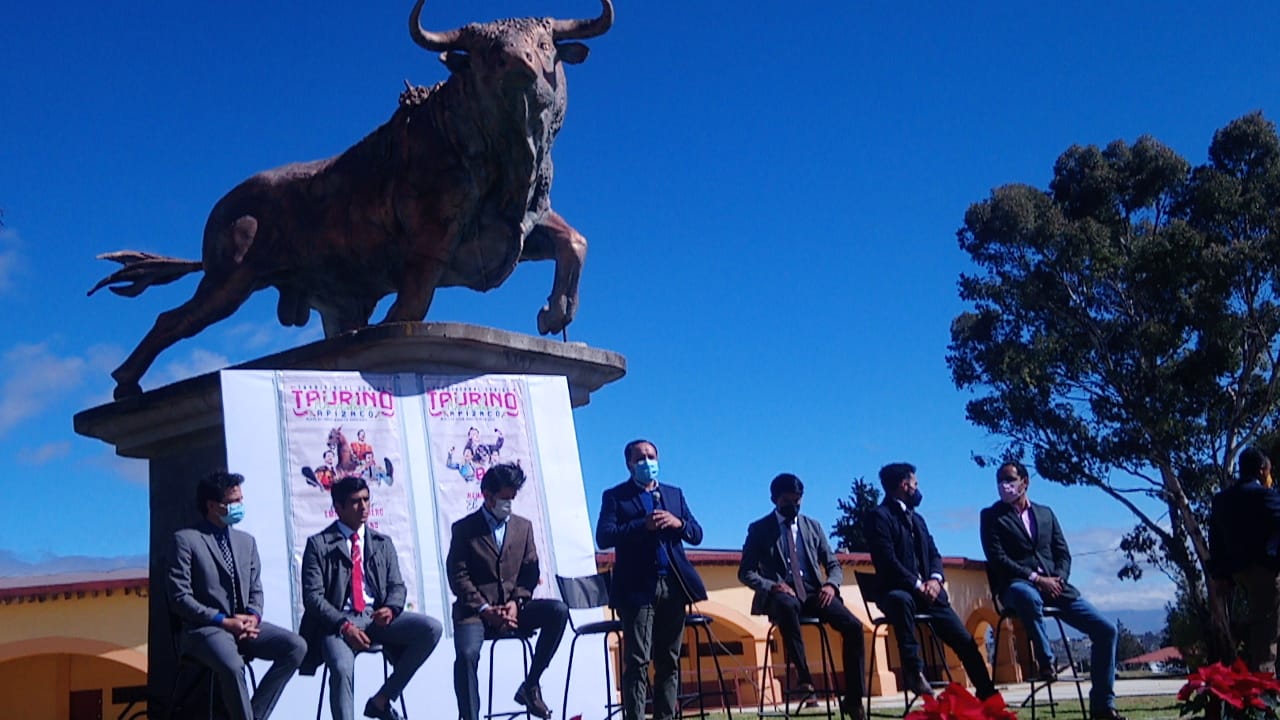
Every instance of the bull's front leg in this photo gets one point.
(555, 239)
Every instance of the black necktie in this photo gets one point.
(917, 540)
(793, 558)
(224, 544)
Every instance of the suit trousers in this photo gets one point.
(653, 632)
(785, 612)
(901, 606)
(548, 617)
(214, 648)
(1262, 588)
(410, 637)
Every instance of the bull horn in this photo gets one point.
(433, 41)
(583, 29)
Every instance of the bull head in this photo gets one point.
(522, 50)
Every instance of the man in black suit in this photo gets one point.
(784, 560)
(1244, 535)
(354, 597)
(909, 568)
(1028, 563)
(215, 589)
(647, 524)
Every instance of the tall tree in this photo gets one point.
(849, 531)
(1125, 333)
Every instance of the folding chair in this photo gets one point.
(584, 593)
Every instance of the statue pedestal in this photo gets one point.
(179, 428)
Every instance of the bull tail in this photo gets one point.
(142, 270)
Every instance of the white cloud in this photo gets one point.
(44, 453)
(131, 470)
(15, 565)
(197, 362)
(35, 378)
(1096, 557)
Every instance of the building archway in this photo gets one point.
(66, 677)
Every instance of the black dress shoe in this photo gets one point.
(384, 713)
(852, 709)
(1108, 714)
(530, 696)
(808, 695)
(1047, 675)
(918, 684)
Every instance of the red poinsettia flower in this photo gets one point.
(957, 703)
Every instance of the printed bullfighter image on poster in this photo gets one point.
(340, 427)
(472, 425)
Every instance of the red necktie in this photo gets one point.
(357, 574)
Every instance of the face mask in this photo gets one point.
(789, 511)
(234, 514)
(501, 509)
(1010, 492)
(913, 500)
(644, 472)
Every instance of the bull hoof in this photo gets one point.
(127, 390)
(551, 321)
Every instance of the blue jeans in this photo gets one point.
(1026, 600)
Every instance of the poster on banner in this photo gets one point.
(341, 425)
(473, 424)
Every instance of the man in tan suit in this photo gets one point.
(493, 571)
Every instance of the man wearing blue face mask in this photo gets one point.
(1027, 564)
(215, 589)
(647, 524)
(493, 570)
(909, 568)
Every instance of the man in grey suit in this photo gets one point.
(215, 589)
(354, 598)
(784, 560)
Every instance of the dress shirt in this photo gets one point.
(908, 511)
(346, 535)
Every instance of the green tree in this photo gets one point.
(1127, 644)
(848, 531)
(1124, 333)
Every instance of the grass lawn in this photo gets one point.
(1149, 707)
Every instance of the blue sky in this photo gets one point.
(770, 190)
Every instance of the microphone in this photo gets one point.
(657, 499)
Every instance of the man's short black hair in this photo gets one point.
(785, 483)
(893, 474)
(345, 487)
(500, 477)
(1017, 467)
(213, 487)
(1251, 462)
(626, 451)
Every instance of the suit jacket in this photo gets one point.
(895, 537)
(326, 583)
(1012, 554)
(198, 579)
(635, 569)
(480, 573)
(764, 557)
(1244, 529)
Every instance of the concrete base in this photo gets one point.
(179, 428)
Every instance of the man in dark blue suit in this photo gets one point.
(1244, 532)
(909, 568)
(647, 522)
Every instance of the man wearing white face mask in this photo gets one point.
(493, 571)
(647, 524)
(1028, 563)
(215, 588)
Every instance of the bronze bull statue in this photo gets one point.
(453, 190)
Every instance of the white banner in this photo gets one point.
(473, 424)
(273, 432)
(340, 426)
